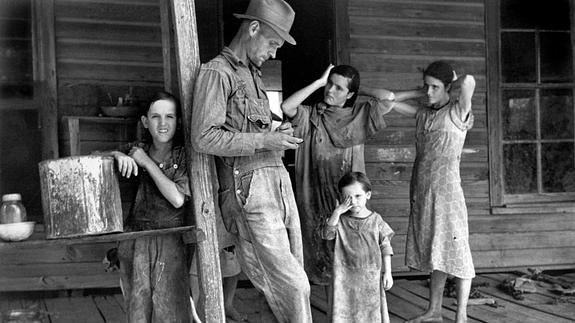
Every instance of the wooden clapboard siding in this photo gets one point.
(101, 47)
(390, 42)
(106, 47)
(507, 242)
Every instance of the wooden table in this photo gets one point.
(40, 264)
(190, 234)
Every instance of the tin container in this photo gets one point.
(80, 196)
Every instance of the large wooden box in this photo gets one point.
(80, 196)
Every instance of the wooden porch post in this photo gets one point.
(45, 82)
(199, 165)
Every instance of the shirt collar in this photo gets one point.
(235, 61)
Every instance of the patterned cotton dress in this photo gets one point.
(438, 236)
(360, 244)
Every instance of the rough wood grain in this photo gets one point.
(103, 280)
(73, 310)
(80, 196)
(45, 73)
(192, 235)
(199, 165)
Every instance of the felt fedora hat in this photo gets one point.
(275, 13)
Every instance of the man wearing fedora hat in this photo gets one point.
(232, 120)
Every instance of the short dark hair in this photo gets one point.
(354, 80)
(354, 177)
(163, 95)
(440, 70)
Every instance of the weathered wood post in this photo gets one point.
(199, 165)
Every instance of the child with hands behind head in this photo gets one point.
(153, 269)
(362, 255)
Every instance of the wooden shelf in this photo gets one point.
(190, 234)
(82, 135)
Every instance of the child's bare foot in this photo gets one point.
(427, 317)
(461, 318)
(232, 313)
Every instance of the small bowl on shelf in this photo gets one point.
(121, 111)
(16, 231)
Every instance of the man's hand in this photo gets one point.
(278, 140)
(286, 128)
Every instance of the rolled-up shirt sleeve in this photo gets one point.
(210, 134)
(180, 176)
(300, 121)
(385, 235)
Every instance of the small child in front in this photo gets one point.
(153, 269)
(362, 255)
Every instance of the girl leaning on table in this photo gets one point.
(154, 275)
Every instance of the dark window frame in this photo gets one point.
(498, 197)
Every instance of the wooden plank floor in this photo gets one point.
(406, 299)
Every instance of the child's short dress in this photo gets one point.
(333, 146)
(357, 290)
(153, 269)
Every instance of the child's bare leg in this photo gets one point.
(194, 315)
(463, 290)
(433, 313)
(195, 295)
(229, 285)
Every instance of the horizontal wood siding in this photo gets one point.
(106, 47)
(102, 47)
(390, 42)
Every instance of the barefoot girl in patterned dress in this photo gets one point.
(437, 236)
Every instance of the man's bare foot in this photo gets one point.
(232, 313)
(427, 317)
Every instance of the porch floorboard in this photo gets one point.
(406, 299)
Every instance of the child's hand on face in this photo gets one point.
(343, 207)
(387, 280)
(126, 165)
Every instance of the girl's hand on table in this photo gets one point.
(126, 164)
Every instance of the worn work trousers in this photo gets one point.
(155, 279)
(269, 244)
